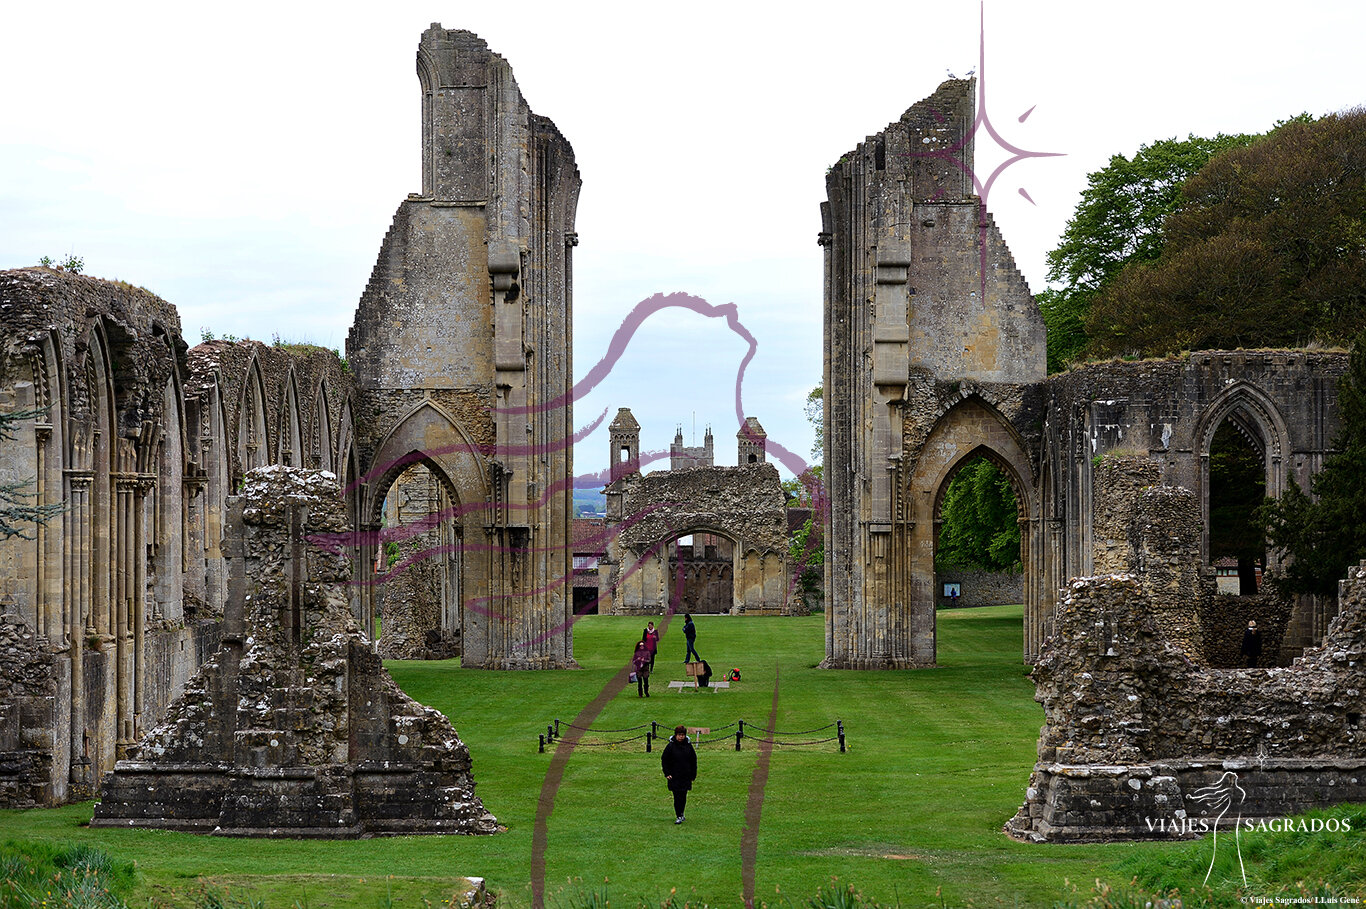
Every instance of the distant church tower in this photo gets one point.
(624, 439)
(751, 441)
(682, 456)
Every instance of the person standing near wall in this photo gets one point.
(679, 761)
(1251, 651)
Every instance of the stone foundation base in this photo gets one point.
(329, 803)
(1083, 803)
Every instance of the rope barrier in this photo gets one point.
(710, 737)
(559, 723)
(803, 732)
(754, 738)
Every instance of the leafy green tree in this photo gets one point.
(17, 510)
(806, 547)
(815, 413)
(1326, 534)
(1118, 221)
(980, 521)
(1265, 248)
(1237, 490)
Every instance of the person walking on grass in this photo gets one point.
(690, 635)
(680, 769)
(651, 639)
(640, 662)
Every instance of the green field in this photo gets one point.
(910, 815)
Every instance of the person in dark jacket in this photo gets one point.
(640, 662)
(679, 761)
(690, 635)
(1251, 650)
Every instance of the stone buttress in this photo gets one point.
(462, 345)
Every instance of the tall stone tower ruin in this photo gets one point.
(922, 303)
(462, 349)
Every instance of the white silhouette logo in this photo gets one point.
(1224, 795)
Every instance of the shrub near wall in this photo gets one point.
(981, 588)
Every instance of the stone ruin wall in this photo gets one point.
(922, 297)
(1167, 411)
(114, 603)
(462, 345)
(294, 728)
(1136, 724)
(744, 504)
(980, 588)
(418, 597)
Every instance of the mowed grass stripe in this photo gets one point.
(938, 760)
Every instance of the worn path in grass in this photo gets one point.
(938, 760)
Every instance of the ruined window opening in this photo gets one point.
(625, 454)
(1237, 486)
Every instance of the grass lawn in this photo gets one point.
(911, 814)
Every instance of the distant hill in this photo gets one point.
(590, 500)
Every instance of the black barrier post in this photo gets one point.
(550, 732)
(649, 737)
(557, 728)
(839, 726)
(739, 734)
(654, 728)
(542, 750)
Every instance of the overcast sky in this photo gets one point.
(244, 160)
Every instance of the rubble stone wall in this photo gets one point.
(982, 588)
(745, 505)
(1136, 732)
(294, 728)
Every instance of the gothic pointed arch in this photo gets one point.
(253, 442)
(428, 433)
(290, 445)
(969, 426)
(320, 436)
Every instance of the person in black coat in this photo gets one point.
(690, 635)
(679, 761)
(1251, 651)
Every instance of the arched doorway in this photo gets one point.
(701, 573)
(969, 431)
(418, 568)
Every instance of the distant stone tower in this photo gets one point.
(683, 456)
(461, 347)
(624, 440)
(751, 443)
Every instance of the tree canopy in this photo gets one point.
(980, 521)
(1119, 221)
(1326, 535)
(1266, 247)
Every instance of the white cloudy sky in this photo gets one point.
(244, 160)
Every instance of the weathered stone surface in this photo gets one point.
(462, 348)
(294, 728)
(736, 515)
(1131, 718)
